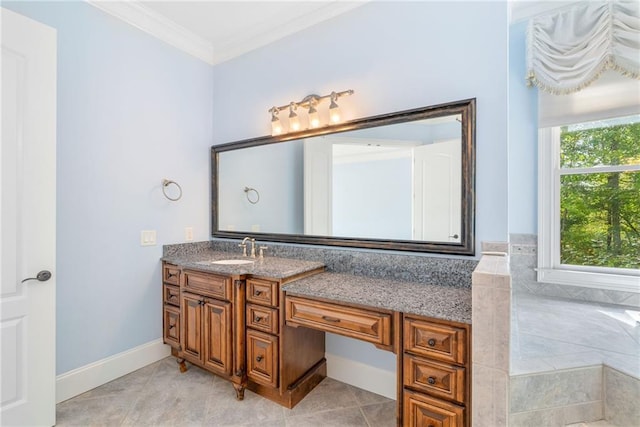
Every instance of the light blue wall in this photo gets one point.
(395, 55)
(523, 138)
(131, 111)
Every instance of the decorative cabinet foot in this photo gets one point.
(239, 391)
(181, 365)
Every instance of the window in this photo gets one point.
(590, 204)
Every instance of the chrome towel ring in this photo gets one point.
(255, 199)
(165, 184)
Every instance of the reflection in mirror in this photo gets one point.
(399, 181)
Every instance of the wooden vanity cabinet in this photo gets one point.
(283, 363)
(171, 305)
(233, 326)
(436, 373)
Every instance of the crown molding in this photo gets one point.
(238, 47)
(157, 25)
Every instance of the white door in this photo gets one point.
(27, 221)
(437, 191)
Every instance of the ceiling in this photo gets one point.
(218, 30)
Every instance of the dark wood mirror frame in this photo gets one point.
(466, 246)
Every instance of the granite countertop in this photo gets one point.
(269, 267)
(442, 302)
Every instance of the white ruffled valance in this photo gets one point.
(569, 49)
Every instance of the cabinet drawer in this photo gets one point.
(171, 326)
(171, 274)
(208, 284)
(434, 340)
(262, 358)
(262, 292)
(438, 379)
(172, 295)
(424, 411)
(366, 325)
(263, 318)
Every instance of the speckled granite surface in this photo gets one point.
(270, 267)
(442, 302)
(410, 267)
(411, 283)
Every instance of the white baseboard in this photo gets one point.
(90, 376)
(363, 376)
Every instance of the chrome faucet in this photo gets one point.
(243, 245)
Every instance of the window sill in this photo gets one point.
(587, 279)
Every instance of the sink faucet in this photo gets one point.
(243, 245)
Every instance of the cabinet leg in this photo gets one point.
(239, 391)
(181, 365)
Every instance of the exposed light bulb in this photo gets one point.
(294, 121)
(334, 109)
(314, 119)
(276, 126)
(334, 113)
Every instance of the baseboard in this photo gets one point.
(363, 376)
(90, 376)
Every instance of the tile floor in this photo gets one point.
(551, 333)
(159, 394)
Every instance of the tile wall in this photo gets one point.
(524, 260)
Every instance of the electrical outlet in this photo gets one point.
(148, 238)
(188, 234)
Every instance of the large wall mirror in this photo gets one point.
(398, 181)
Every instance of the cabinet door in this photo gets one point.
(262, 358)
(421, 410)
(191, 327)
(217, 335)
(171, 326)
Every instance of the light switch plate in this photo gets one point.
(148, 238)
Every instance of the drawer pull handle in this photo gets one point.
(257, 293)
(259, 358)
(330, 319)
(171, 327)
(431, 342)
(431, 380)
(257, 319)
(170, 275)
(172, 296)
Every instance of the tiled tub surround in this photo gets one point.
(491, 298)
(524, 261)
(575, 352)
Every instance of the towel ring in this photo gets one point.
(165, 184)
(256, 199)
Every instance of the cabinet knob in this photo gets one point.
(171, 326)
(431, 342)
(431, 380)
(257, 319)
(259, 358)
(170, 275)
(257, 293)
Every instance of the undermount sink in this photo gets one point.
(232, 262)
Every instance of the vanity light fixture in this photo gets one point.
(309, 102)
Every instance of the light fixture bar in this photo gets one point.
(309, 102)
